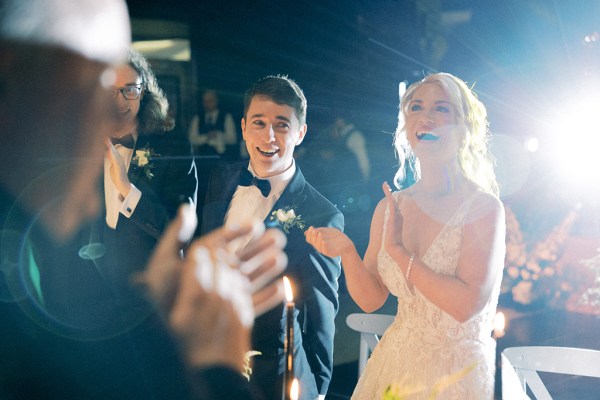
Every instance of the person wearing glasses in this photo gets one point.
(148, 173)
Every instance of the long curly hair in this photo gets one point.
(154, 116)
(474, 157)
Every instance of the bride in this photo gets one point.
(438, 246)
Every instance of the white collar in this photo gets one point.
(278, 179)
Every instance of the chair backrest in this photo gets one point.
(527, 361)
(370, 327)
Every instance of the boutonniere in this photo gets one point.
(247, 368)
(287, 218)
(143, 159)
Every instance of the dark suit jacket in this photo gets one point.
(128, 247)
(314, 278)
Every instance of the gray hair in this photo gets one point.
(96, 29)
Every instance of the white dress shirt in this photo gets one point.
(115, 203)
(249, 205)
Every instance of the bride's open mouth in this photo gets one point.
(268, 153)
(427, 136)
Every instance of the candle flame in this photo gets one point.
(287, 286)
(499, 324)
(294, 390)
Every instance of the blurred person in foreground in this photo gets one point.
(58, 62)
(438, 246)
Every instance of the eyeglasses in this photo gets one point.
(130, 92)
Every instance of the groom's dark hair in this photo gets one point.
(281, 90)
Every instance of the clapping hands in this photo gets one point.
(211, 296)
(393, 231)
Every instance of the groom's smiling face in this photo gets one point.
(271, 132)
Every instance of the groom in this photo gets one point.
(273, 125)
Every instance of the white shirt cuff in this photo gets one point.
(131, 201)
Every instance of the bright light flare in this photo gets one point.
(401, 89)
(574, 145)
(294, 390)
(532, 144)
(592, 37)
(513, 163)
(499, 324)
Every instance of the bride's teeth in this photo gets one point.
(427, 136)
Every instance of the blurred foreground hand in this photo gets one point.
(211, 297)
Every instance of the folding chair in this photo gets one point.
(370, 327)
(527, 361)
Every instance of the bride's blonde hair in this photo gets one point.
(474, 158)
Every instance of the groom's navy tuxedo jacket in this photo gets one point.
(314, 279)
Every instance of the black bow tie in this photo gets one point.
(247, 179)
(125, 141)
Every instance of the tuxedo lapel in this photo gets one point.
(292, 197)
(222, 186)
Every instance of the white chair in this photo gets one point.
(527, 361)
(370, 327)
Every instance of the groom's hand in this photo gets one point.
(330, 242)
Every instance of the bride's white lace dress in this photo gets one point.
(424, 344)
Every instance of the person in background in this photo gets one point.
(213, 131)
(214, 138)
(438, 246)
(353, 142)
(271, 188)
(58, 64)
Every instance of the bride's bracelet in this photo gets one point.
(410, 263)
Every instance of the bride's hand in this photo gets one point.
(393, 231)
(328, 241)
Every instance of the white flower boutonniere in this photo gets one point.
(143, 158)
(247, 368)
(287, 218)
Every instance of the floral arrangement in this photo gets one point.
(287, 218)
(143, 158)
(403, 390)
(531, 277)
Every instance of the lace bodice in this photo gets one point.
(424, 343)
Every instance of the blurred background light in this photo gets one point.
(532, 144)
(513, 163)
(574, 144)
